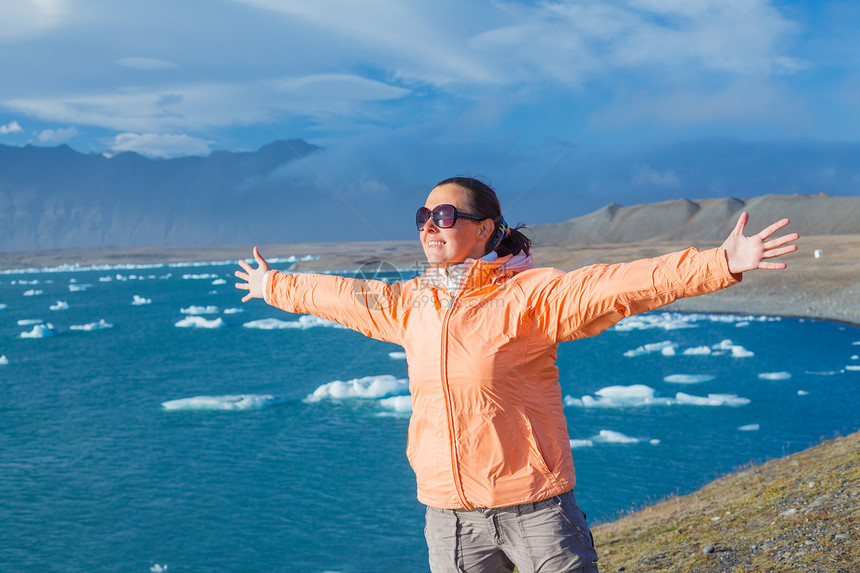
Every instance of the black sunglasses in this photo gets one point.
(444, 216)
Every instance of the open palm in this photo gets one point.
(750, 253)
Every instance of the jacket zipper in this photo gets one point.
(449, 408)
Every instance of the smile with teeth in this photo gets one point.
(435, 243)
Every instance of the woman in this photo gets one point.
(488, 436)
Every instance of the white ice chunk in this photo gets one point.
(78, 288)
(2, 306)
(400, 404)
(139, 300)
(100, 325)
(652, 347)
(397, 355)
(197, 310)
(105, 279)
(3, 360)
(663, 321)
(41, 331)
(30, 321)
(654, 442)
(304, 322)
(698, 350)
(200, 322)
(617, 397)
(199, 276)
(219, 282)
(35, 292)
(613, 437)
(749, 428)
(802, 393)
(853, 368)
(741, 352)
(60, 305)
(230, 402)
(233, 310)
(368, 387)
(688, 378)
(581, 444)
(156, 568)
(774, 375)
(711, 400)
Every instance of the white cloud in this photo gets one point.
(146, 64)
(57, 135)
(23, 19)
(159, 145)
(191, 106)
(648, 176)
(11, 127)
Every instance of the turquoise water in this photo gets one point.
(239, 471)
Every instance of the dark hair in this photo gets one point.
(483, 201)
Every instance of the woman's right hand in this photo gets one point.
(253, 277)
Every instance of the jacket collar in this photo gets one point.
(473, 273)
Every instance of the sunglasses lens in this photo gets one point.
(444, 216)
(421, 217)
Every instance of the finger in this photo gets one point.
(767, 232)
(258, 256)
(247, 297)
(245, 266)
(769, 254)
(781, 241)
(241, 275)
(243, 286)
(742, 222)
(772, 266)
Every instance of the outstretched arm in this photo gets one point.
(253, 277)
(750, 253)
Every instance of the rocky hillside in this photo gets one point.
(797, 513)
(703, 220)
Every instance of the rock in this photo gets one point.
(840, 536)
(709, 549)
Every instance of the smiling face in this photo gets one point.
(466, 239)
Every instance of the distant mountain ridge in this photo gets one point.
(703, 220)
(56, 197)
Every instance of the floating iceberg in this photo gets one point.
(304, 322)
(100, 325)
(667, 348)
(230, 402)
(139, 300)
(639, 395)
(200, 322)
(688, 378)
(3, 360)
(197, 310)
(41, 331)
(368, 387)
(397, 355)
(774, 375)
(60, 305)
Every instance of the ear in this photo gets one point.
(487, 228)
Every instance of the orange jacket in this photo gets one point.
(488, 427)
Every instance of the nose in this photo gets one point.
(429, 226)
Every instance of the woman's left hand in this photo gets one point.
(750, 253)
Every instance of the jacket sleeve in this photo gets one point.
(587, 301)
(368, 306)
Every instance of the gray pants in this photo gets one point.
(541, 537)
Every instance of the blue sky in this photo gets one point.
(532, 95)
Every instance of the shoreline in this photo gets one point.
(825, 288)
